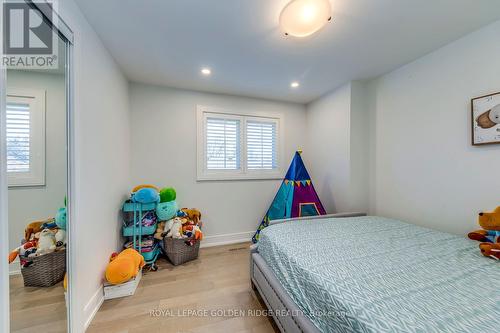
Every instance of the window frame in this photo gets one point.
(36, 100)
(202, 112)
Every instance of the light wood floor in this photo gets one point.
(36, 309)
(218, 280)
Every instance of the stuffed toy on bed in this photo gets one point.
(489, 236)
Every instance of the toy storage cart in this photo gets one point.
(133, 213)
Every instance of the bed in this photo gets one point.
(371, 274)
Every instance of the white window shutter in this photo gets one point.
(18, 137)
(222, 143)
(262, 151)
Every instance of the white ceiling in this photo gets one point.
(167, 42)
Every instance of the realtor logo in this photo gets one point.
(29, 41)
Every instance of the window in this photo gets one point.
(238, 146)
(25, 136)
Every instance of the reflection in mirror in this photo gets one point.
(36, 170)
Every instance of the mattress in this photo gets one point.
(372, 274)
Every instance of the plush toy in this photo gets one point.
(58, 222)
(60, 237)
(61, 218)
(167, 227)
(176, 229)
(166, 210)
(489, 235)
(25, 250)
(159, 230)
(35, 227)
(193, 214)
(138, 187)
(146, 195)
(167, 194)
(46, 243)
(124, 266)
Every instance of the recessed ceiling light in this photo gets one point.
(206, 71)
(294, 84)
(301, 18)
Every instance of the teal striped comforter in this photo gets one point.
(372, 274)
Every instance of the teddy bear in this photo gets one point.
(193, 214)
(159, 230)
(35, 227)
(46, 242)
(176, 229)
(489, 236)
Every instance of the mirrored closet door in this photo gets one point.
(36, 137)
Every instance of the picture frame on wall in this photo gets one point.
(485, 112)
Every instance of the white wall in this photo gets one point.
(337, 151)
(426, 170)
(328, 151)
(102, 162)
(27, 204)
(164, 153)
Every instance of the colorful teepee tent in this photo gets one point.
(296, 197)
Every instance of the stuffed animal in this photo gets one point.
(167, 194)
(60, 237)
(159, 230)
(124, 266)
(138, 187)
(34, 228)
(489, 235)
(167, 227)
(166, 210)
(146, 195)
(46, 243)
(61, 218)
(28, 249)
(193, 214)
(176, 229)
(58, 222)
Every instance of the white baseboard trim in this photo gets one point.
(93, 306)
(226, 239)
(15, 267)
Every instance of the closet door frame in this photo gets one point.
(65, 32)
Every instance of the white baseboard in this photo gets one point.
(93, 306)
(225, 239)
(15, 267)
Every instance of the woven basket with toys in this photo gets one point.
(42, 254)
(181, 236)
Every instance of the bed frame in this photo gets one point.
(286, 314)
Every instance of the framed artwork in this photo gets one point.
(486, 119)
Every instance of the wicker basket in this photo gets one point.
(179, 252)
(45, 270)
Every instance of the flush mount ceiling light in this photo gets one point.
(301, 18)
(294, 84)
(206, 71)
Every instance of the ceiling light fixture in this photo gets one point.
(206, 71)
(301, 18)
(294, 84)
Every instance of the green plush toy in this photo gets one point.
(167, 194)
